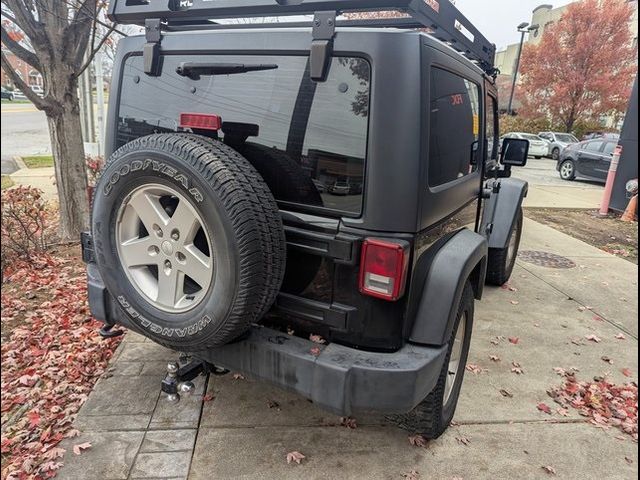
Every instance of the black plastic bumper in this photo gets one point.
(341, 379)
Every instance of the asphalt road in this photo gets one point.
(542, 172)
(24, 132)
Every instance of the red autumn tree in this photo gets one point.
(584, 65)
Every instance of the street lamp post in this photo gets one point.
(522, 28)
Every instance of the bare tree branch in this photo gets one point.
(19, 51)
(95, 50)
(39, 102)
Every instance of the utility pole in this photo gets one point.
(86, 107)
(522, 28)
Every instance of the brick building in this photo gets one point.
(26, 72)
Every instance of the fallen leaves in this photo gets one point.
(78, 448)
(593, 338)
(317, 339)
(417, 440)
(550, 470)
(208, 397)
(607, 359)
(517, 368)
(605, 404)
(515, 302)
(506, 393)
(348, 422)
(494, 358)
(238, 376)
(463, 441)
(514, 340)
(627, 372)
(315, 351)
(543, 407)
(412, 475)
(50, 361)
(476, 369)
(295, 456)
(621, 336)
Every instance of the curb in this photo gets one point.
(19, 162)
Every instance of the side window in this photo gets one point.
(454, 127)
(609, 148)
(593, 146)
(492, 128)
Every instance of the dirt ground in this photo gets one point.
(606, 233)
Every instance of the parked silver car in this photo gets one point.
(538, 147)
(559, 141)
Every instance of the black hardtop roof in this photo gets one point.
(440, 17)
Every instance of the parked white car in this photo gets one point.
(37, 89)
(538, 147)
(558, 142)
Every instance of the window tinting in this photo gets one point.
(306, 139)
(594, 146)
(609, 147)
(454, 127)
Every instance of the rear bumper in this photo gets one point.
(340, 379)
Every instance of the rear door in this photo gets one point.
(604, 161)
(589, 157)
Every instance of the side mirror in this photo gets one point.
(514, 152)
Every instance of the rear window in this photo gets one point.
(454, 127)
(307, 139)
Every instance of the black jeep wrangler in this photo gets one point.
(338, 178)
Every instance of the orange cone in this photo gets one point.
(629, 214)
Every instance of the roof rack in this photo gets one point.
(441, 17)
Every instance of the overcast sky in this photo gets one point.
(498, 19)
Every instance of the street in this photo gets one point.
(24, 132)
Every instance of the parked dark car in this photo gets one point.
(7, 95)
(589, 159)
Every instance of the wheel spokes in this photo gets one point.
(196, 265)
(185, 222)
(139, 252)
(147, 207)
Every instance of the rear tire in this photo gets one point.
(433, 415)
(501, 261)
(555, 154)
(568, 170)
(537, 157)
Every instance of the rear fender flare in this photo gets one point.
(462, 258)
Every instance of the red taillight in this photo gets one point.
(618, 150)
(201, 121)
(383, 268)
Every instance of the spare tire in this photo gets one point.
(188, 240)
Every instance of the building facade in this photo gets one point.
(26, 72)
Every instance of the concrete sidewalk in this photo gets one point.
(42, 178)
(247, 428)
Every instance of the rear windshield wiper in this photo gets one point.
(196, 69)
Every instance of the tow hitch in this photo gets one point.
(181, 373)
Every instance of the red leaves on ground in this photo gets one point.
(295, 457)
(317, 339)
(238, 376)
(593, 338)
(417, 440)
(476, 369)
(208, 397)
(621, 336)
(315, 351)
(606, 404)
(50, 362)
(78, 448)
(412, 475)
(514, 340)
(627, 372)
(549, 469)
(348, 422)
(543, 407)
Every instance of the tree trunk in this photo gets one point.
(71, 175)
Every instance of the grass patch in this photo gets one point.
(38, 161)
(6, 182)
(16, 100)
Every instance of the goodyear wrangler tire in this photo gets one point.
(188, 240)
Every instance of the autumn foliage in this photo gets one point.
(23, 224)
(51, 359)
(584, 65)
